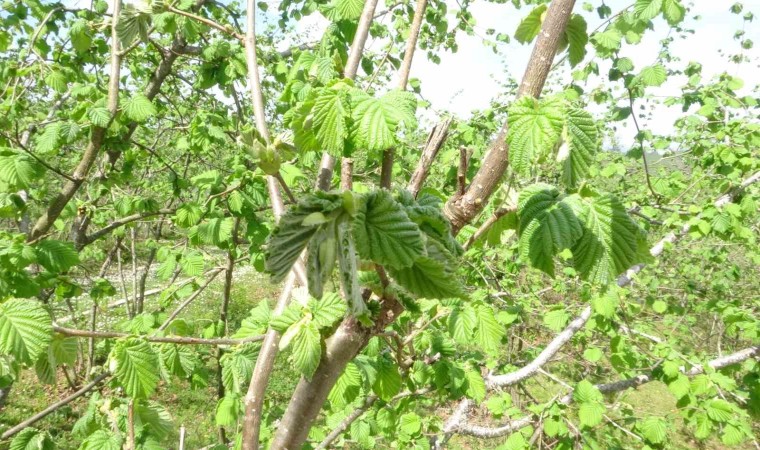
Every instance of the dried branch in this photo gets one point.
(435, 141)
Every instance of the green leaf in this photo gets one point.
(577, 38)
(593, 354)
(534, 129)
(376, 120)
(32, 439)
(26, 329)
(653, 75)
(732, 435)
(179, 360)
(428, 278)
(338, 10)
(80, 36)
(290, 237)
(331, 112)
(99, 116)
(328, 310)
(237, 367)
(388, 381)
(384, 233)
(591, 414)
(673, 11)
(307, 349)
(139, 108)
(135, 364)
(461, 324)
(611, 242)
(409, 424)
(63, 349)
(346, 388)
(580, 138)
(586, 392)
(19, 171)
(476, 387)
(192, 263)
(556, 319)
(548, 225)
(132, 23)
(188, 215)
(488, 331)
(647, 9)
(228, 410)
(50, 138)
(654, 429)
(530, 26)
(608, 39)
(102, 440)
(57, 81)
(56, 256)
(719, 410)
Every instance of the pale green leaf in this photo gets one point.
(99, 116)
(135, 364)
(488, 331)
(534, 129)
(653, 429)
(139, 108)
(673, 11)
(32, 439)
(428, 278)
(228, 410)
(328, 310)
(591, 414)
(376, 120)
(331, 113)
(102, 440)
(19, 170)
(581, 140)
(307, 349)
(338, 10)
(647, 9)
(388, 381)
(530, 26)
(26, 329)
(653, 75)
(577, 38)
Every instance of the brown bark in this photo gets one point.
(435, 141)
(461, 210)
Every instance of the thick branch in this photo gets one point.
(461, 210)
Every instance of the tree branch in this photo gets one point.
(435, 141)
(162, 339)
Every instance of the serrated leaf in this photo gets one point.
(611, 242)
(56, 256)
(530, 26)
(346, 388)
(80, 36)
(719, 410)
(192, 263)
(534, 129)
(50, 138)
(307, 349)
(139, 108)
(428, 278)
(548, 224)
(99, 116)
(331, 113)
(291, 237)
(581, 136)
(384, 233)
(488, 331)
(228, 410)
(376, 120)
(328, 310)
(19, 171)
(556, 319)
(608, 39)
(237, 367)
(577, 38)
(32, 439)
(732, 435)
(188, 215)
(586, 392)
(136, 367)
(461, 323)
(673, 11)
(653, 429)
(591, 414)
(476, 387)
(409, 424)
(647, 9)
(26, 329)
(103, 440)
(179, 360)
(338, 10)
(388, 380)
(57, 81)
(653, 75)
